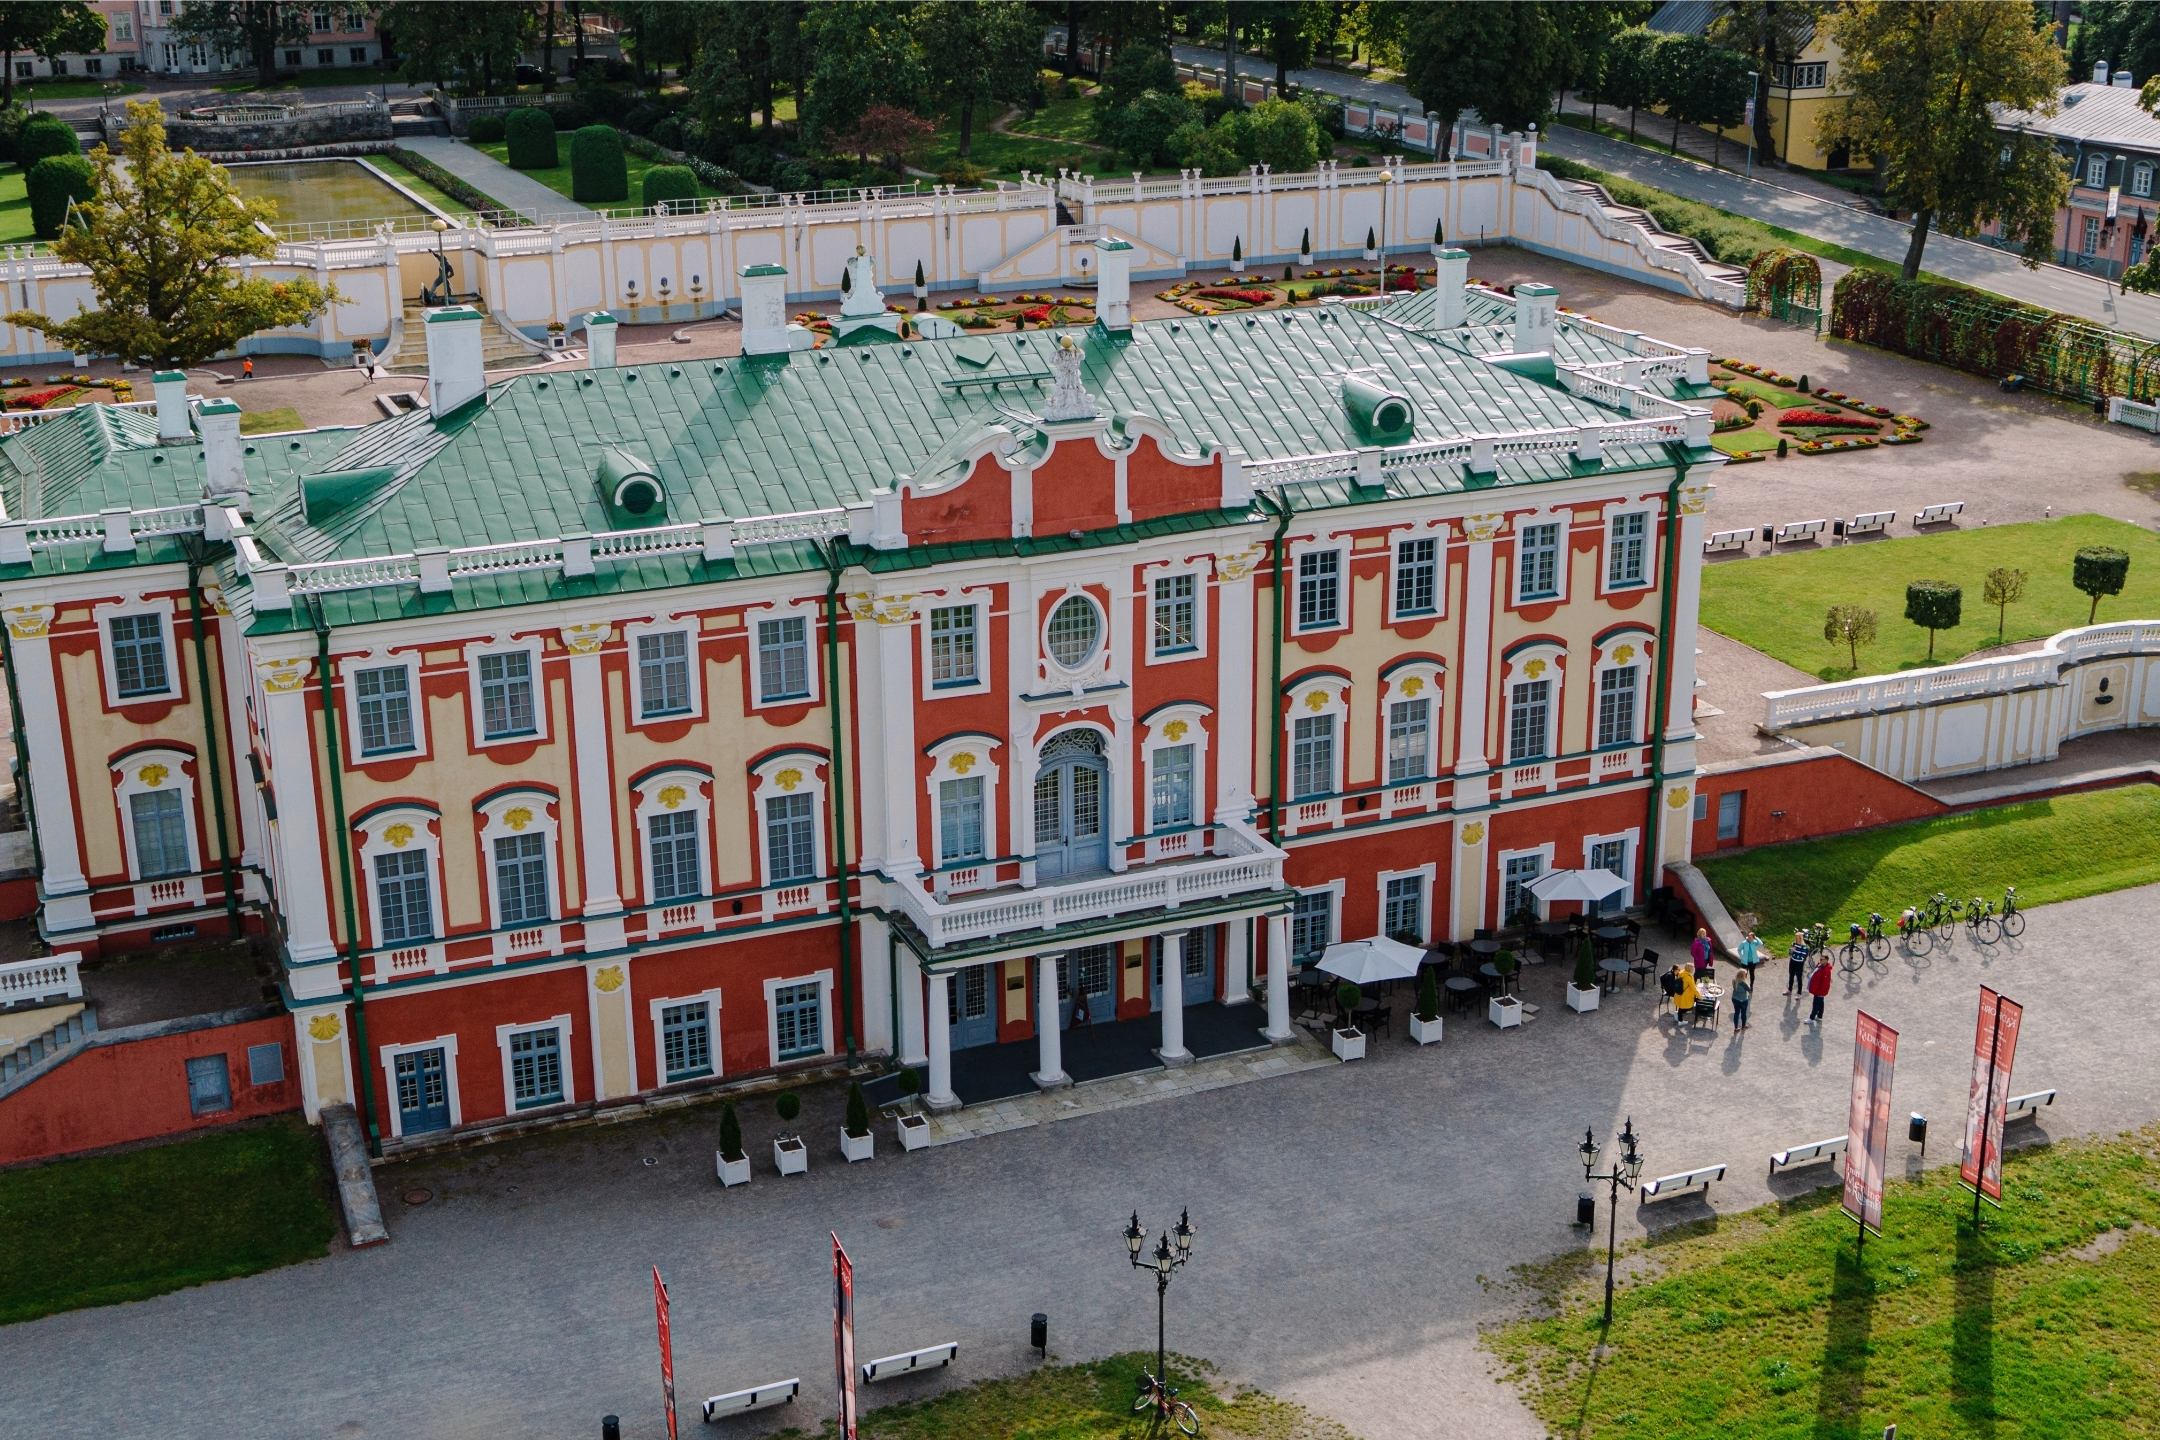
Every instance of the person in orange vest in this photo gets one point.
(247, 369)
(1818, 985)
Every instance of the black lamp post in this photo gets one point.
(1172, 1249)
(1626, 1170)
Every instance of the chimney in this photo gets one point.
(2122, 80)
(1535, 310)
(454, 368)
(600, 340)
(224, 474)
(765, 330)
(1449, 277)
(1113, 282)
(170, 388)
(2100, 72)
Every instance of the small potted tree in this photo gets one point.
(922, 288)
(731, 1162)
(1504, 1009)
(1425, 1024)
(1582, 992)
(558, 335)
(1439, 239)
(856, 1141)
(1372, 244)
(1347, 1041)
(914, 1126)
(1237, 256)
(788, 1151)
(1304, 248)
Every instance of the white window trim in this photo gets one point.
(427, 838)
(649, 800)
(1564, 520)
(1553, 669)
(1334, 888)
(129, 781)
(448, 1045)
(979, 602)
(1194, 720)
(349, 669)
(533, 651)
(101, 615)
(982, 764)
(560, 1024)
(1096, 659)
(768, 780)
(1294, 578)
(1639, 661)
(2141, 179)
(710, 999)
(1429, 687)
(1440, 577)
(1301, 708)
(1611, 547)
(1500, 863)
(2096, 171)
(803, 610)
(1424, 875)
(823, 979)
(497, 821)
(1634, 852)
(1553, 743)
(689, 629)
(1198, 650)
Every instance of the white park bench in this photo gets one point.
(1941, 514)
(2024, 1106)
(1799, 530)
(757, 1397)
(1872, 523)
(1727, 540)
(909, 1361)
(1685, 1180)
(1807, 1154)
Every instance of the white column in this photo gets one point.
(65, 905)
(898, 800)
(941, 1096)
(232, 674)
(1686, 610)
(910, 1000)
(1236, 663)
(1173, 1051)
(588, 728)
(1473, 669)
(1050, 1072)
(306, 894)
(1278, 979)
(1237, 962)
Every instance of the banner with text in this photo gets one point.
(1868, 1124)
(843, 1329)
(1994, 1052)
(667, 1349)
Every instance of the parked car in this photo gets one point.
(530, 74)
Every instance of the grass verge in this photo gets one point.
(1766, 1325)
(120, 1227)
(27, 91)
(2058, 849)
(420, 185)
(557, 177)
(15, 227)
(267, 422)
(1776, 603)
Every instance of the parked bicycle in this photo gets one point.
(1940, 914)
(1162, 1399)
(1863, 942)
(2013, 918)
(1913, 930)
(1980, 920)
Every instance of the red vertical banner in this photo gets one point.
(667, 1349)
(1994, 1052)
(1867, 1129)
(843, 1330)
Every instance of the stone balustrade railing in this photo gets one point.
(1996, 675)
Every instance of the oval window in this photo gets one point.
(1075, 629)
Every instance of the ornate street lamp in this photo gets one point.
(1626, 1170)
(1172, 1249)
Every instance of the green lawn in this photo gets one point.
(1765, 1326)
(1071, 119)
(14, 208)
(1744, 442)
(311, 79)
(27, 91)
(109, 1228)
(557, 177)
(1002, 155)
(269, 422)
(1776, 603)
(2059, 849)
(411, 181)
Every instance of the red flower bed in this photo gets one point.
(1405, 280)
(1040, 315)
(1249, 297)
(39, 399)
(1833, 419)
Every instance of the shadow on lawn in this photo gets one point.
(1972, 1335)
(1845, 1349)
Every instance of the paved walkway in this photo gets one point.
(2121, 757)
(1357, 1225)
(1700, 144)
(491, 177)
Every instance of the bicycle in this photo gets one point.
(1980, 919)
(1162, 1399)
(2013, 918)
(1854, 950)
(1817, 939)
(1941, 915)
(1914, 932)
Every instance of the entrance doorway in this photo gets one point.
(1071, 836)
(423, 1091)
(1198, 964)
(968, 1007)
(1093, 969)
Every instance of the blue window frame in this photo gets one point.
(1176, 627)
(1312, 923)
(1403, 909)
(798, 1019)
(1627, 551)
(160, 826)
(663, 663)
(1530, 721)
(1312, 756)
(686, 1040)
(209, 1085)
(783, 658)
(138, 655)
(1417, 577)
(506, 695)
(536, 1073)
(384, 694)
(790, 839)
(672, 840)
(521, 880)
(1172, 801)
(960, 820)
(403, 896)
(1616, 706)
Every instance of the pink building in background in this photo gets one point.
(139, 38)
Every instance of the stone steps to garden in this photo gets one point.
(499, 349)
(1660, 237)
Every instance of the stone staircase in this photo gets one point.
(500, 348)
(1660, 238)
(20, 1059)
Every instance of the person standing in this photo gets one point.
(1750, 952)
(1818, 985)
(247, 369)
(1684, 1001)
(1796, 965)
(1704, 953)
(1742, 992)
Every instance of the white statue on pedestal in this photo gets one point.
(861, 295)
(1069, 399)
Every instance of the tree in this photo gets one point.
(1587, 29)
(45, 29)
(1774, 32)
(45, 135)
(1505, 59)
(895, 136)
(470, 45)
(1924, 76)
(254, 28)
(1144, 128)
(1630, 73)
(1135, 70)
(861, 53)
(529, 134)
(1699, 83)
(2005, 587)
(986, 54)
(597, 168)
(1281, 135)
(1851, 626)
(1286, 29)
(1933, 605)
(156, 236)
(1210, 149)
(2099, 570)
(50, 185)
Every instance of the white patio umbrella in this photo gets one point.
(1367, 962)
(1587, 886)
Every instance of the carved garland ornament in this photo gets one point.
(281, 677)
(584, 639)
(1239, 563)
(1480, 528)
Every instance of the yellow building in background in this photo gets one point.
(1800, 92)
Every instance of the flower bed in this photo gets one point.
(1243, 297)
(39, 399)
(1829, 419)
(1838, 422)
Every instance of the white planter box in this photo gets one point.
(1237, 267)
(791, 1155)
(914, 1131)
(1504, 1011)
(1372, 254)
(858, 1147)
(731, 1172)
(1347, 1044)
(1581, 1001)
(1425, 1032)
(1304, 258)
(922, 292)
(558, 341)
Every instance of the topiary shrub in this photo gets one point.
(486, 129)
(665, 184)
(44, 135)
(597, 169)
(52, 182)
(530, 132)
(787, 1105)
(858, 1111)
(1428, 995)
(1934, 605)
(2099, 570)
(1781, 444)
(730, 1133)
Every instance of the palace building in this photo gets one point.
(596, 733)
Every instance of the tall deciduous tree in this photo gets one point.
(985, 54)
(480, 43)
(45, 29)
(157, 235)
(1774, 32)
(1629, 77)
(1851, 626)
(1924, 76)
(1502, 58)
(254, 28)
(861, 53)
(1701, 84)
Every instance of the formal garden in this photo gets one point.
(1761, 413)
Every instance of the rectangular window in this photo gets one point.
(783, 658)
(536, 1068)
(797, 1019)
(1627, 551)
(2089, 241)
(1177, 615)
(2141, 178)
(1529, 717)
(1417, 577)
(1728, 814)
(59, 66)
(1409, 741)
(357, 54)
(1312, 923)
(2096, 171)
(506, 695)
(403, 908)
(1312, 756)
(1515, 901)
(123, 27)
(93, 66)
(319, 21)
(355, 21)
(385, 700)
(1538, 562)
(138, 655)
(1319, 589)
(686, 1040)
(953, 647)
(790, 839)
(521, 880)
(209, 1085)
(24, 69)
(160, 825)
(1702, 806)
(1402, 911)
(1172, 802)
(663, 663)
(196, 56)
(960, 820)
(326, 57)
(266, 1064)
(672, 840)
(1616, 707)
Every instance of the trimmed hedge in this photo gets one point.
(598, 171)
(44, 135)
(457, 189)
(485, 129)
(52, 182)
(1988, 335)
(664, 183)
(530, 133)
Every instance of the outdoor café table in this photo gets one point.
(1551, 933)
(1492, 972)
(1459, 988)
(1612, 970)
(1710, 990)
(1485, 947)
(1611, 934)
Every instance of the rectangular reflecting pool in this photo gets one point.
(309, 192)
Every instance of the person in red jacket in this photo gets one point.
(1818, 985)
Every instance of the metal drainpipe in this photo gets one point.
(1649, 870)
(1283, 512)
(364, 1077)
(833, 566)
(22, 757)
(210, 740)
